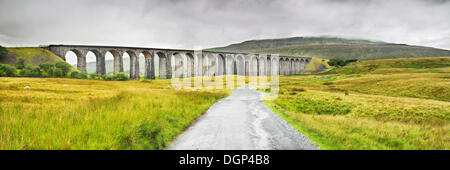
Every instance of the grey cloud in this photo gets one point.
(208, 23)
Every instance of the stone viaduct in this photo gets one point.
(187, 63)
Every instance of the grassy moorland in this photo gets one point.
(334, 48)
(88, 114)
(385, 104)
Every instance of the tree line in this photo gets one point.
(59, 70)
(339, 62)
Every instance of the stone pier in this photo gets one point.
(186, 63)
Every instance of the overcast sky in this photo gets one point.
(197, 24)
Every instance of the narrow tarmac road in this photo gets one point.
(241, 121)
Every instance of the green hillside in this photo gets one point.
(337, 48)
(37, 55)
(393, 66)
(31, 55)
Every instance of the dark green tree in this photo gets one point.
(20, 63)
(3, 52)
(83, 75)
(120, 76)
(27, 71)
(46, 66)
(35, 72)
(65, 67)
(7, 71)
(47, 69)
(107, 77)
(94, 75)
(340, 63)
(75, 74)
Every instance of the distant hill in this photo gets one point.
(31, 55)
(332, 47)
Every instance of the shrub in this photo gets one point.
(3, 52)
(121, 76)
(65, 67)
(25, 72)
(94, 75)
(298, 89)
(107, 77)
(47, 69)
(44, 74)
(57, 72)
(83, 75)
(75, 74)
(30, 71)
(20, 63)
(7, 71)
(338, 62)
(36, 72)
(46, 66)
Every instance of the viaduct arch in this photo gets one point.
(187, 63)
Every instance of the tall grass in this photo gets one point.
(368, 111)
(89, 114)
